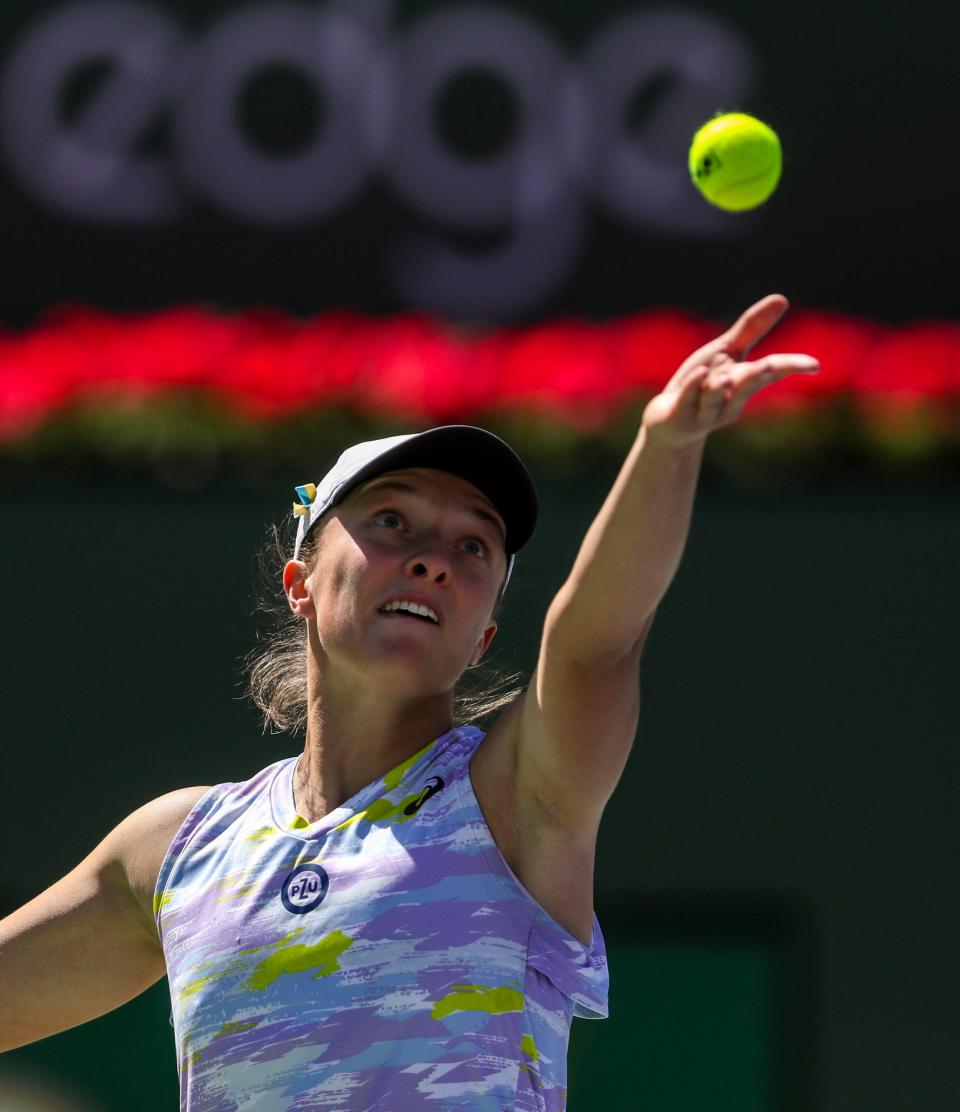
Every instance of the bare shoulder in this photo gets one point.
(140, 842)
(97, 923)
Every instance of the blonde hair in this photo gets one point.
(275, 671)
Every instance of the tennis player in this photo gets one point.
(401, 917)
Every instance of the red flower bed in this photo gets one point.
(262, 366)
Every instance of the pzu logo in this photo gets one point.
(304, 889)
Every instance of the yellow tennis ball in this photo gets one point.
(735, 161)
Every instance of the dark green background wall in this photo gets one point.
(776, 871)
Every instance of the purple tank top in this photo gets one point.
(383, 958)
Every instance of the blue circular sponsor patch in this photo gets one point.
(304, 889)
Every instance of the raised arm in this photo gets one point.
(88, 943)
(579, 717)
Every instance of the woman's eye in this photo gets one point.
(390, 519)
(478, 548)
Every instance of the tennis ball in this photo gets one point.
(735, 161)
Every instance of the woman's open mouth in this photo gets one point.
(406, 609)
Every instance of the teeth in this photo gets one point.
(412, 608)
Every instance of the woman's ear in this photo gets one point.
(483, 644)
(296, 589)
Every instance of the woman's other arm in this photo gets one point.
(88, 943)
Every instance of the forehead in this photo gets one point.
(437, 486)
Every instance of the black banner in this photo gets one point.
(479, 161)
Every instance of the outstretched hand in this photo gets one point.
(711, 388)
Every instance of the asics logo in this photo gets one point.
(432, 786)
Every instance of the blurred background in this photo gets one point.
(238, 237)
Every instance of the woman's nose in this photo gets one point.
(430, 566)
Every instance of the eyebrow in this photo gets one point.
(376, 486)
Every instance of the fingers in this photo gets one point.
(735, 343)
(712, 395)
(724, 391)
(754, 324)
(703, 359)
(714, 398)
(727, 376)
(772, 367)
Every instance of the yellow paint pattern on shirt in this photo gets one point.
(195, 986)
(478, 998)
(383, 809)
(233, 1027)
(529, 1047)
(322, 956)
(395, 775)
(237, 964)
(238, 894)
(379, 810)
(269, 945)
(161, 901)
(244, 881)
(191, 1060)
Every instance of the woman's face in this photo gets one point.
(418, 536)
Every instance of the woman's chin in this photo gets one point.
(420, 670)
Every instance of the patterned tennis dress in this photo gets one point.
(382, 958)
